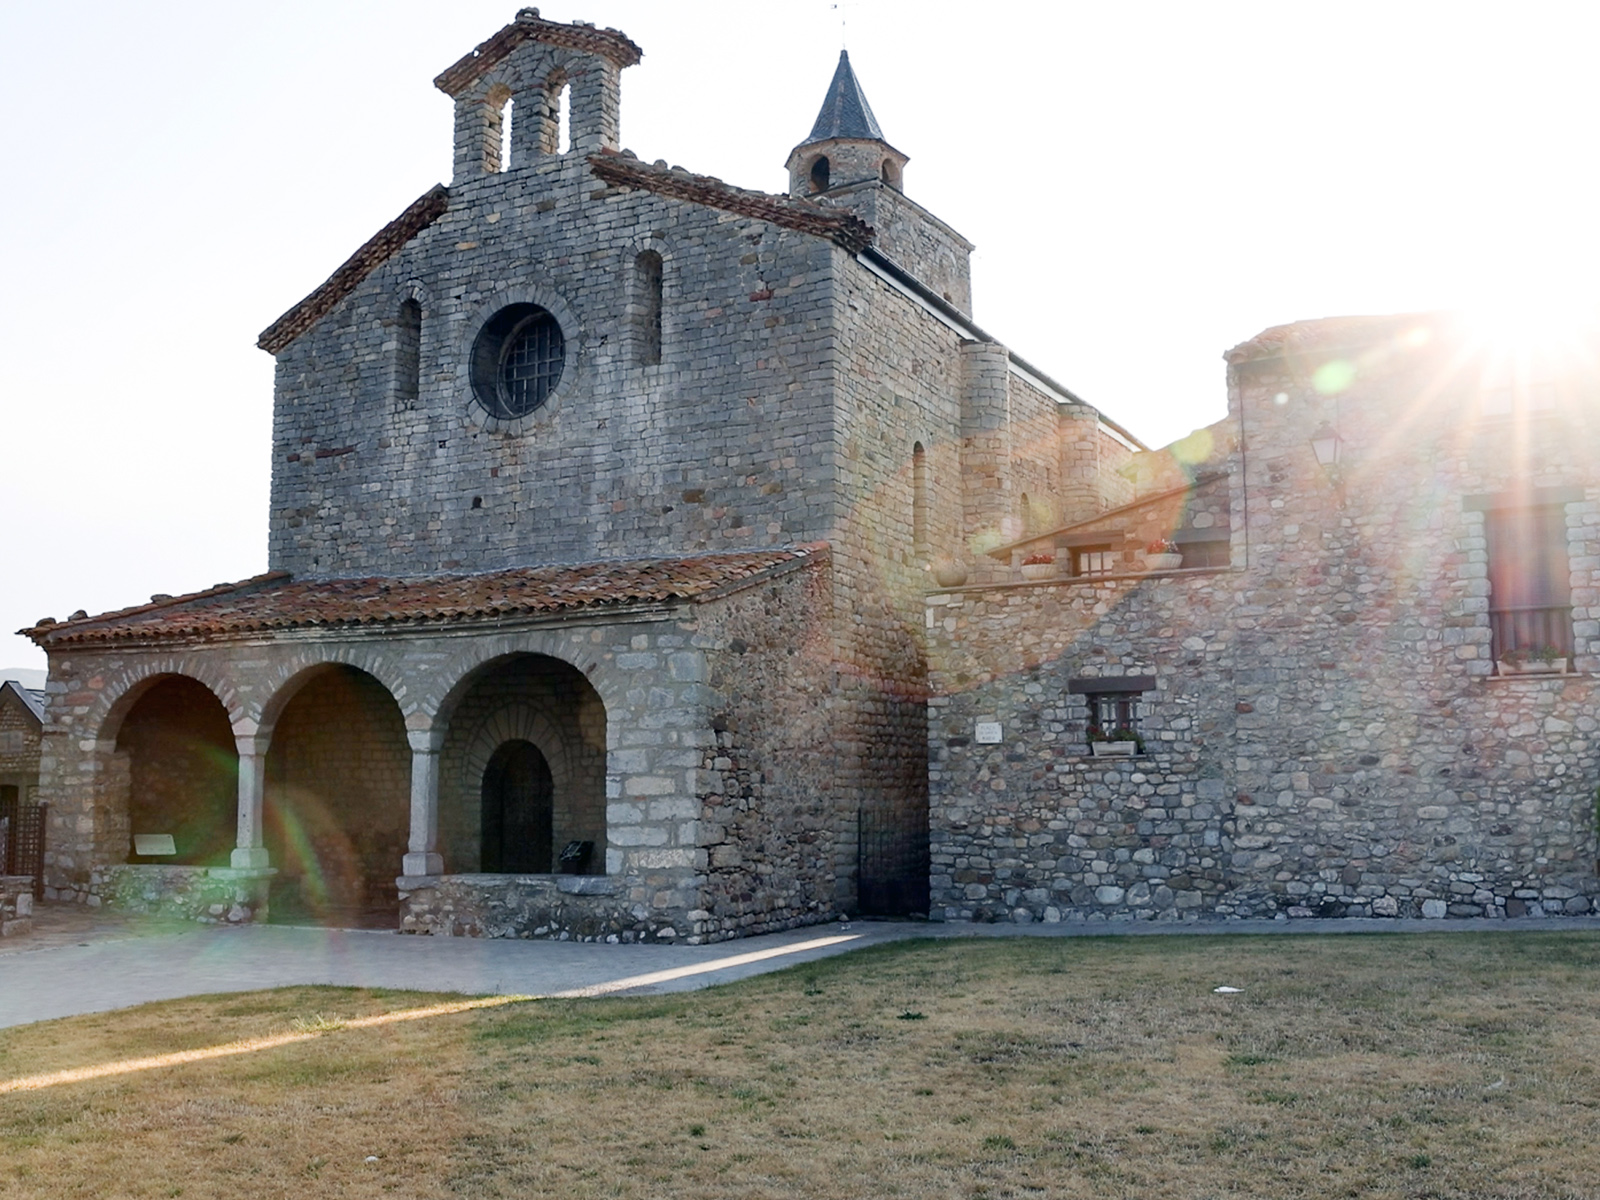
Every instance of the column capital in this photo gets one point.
(425, 741)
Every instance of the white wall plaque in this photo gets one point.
(149, 845)
(987, 733)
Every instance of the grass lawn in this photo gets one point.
(1381, 1066)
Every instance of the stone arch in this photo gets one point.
(289, 676)
(438, 701)
(336, 810)
(523, 695)
(122, 690)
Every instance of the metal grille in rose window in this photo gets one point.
(532, 366)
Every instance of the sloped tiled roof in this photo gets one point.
(279, 601)
(843, 228)
(608, 43)
(378, 249)
(845, 112)
(32, 699)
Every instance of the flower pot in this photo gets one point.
(1113, 749)
(1162, 562)
(1554, 666)
(1034, 571)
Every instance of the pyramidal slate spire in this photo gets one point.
(846, 146)
(845, 111)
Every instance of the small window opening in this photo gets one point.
(408, 353)
(564, 119)
(647, 306)
(890, 175)
(477, 502)
(919, 501)
(1093, 560)
(819, 174)
(508, 115)
(1114, 717)
(1027, 516)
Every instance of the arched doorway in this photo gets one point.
(338, 796)
(516, 819)
(523, 770)
(182, 775)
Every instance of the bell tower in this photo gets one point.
(846, 162)
(526, 72)
(846, 146)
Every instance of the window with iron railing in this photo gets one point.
(1530, 578)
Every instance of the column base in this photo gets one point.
(429, 863)
(253, 859)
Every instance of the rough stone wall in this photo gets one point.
(770, 809)
(20, 738)
(916, 240)
(1037, 828)
(727, 442)
(1347, 748)
(338, 777)
(212, 896)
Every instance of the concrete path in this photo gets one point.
(80, 964)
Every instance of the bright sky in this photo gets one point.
(1147, 183)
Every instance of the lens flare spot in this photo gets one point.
(1281, 399)
(1195, 448)
(1334, 376)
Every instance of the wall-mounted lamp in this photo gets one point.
(1328, 446)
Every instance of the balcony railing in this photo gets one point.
(1531, 630)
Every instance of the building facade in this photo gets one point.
(602, 496)
(654, 558)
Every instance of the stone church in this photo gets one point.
(651, 558)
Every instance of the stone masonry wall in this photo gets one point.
(1327, 733)
(1035, 827)
(770, 817)
(19, 747)
(725, 443)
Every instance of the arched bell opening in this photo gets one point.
(338, 793)
(523, 772)
(179, 771)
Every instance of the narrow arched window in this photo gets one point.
(563, 119)
(819, 174)
(1027, 516)
(497, 129)
(508, 116)
(555, 128)
(919, 502)
(408, 354)
(647, 307)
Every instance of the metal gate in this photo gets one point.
(22, 841)
(891, 864)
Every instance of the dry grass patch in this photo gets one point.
(1406, 1067)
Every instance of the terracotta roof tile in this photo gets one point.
(422, 212)
(624, 170)
(279, 601)
(608, 43)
